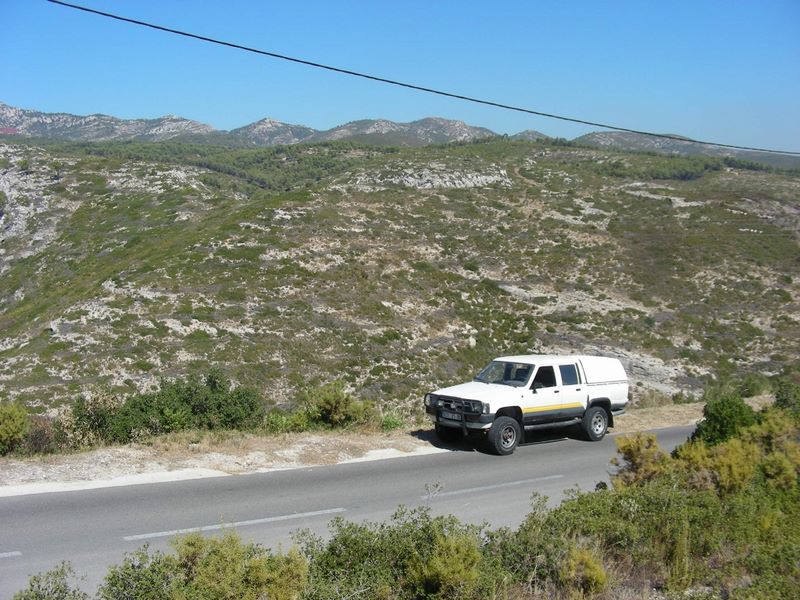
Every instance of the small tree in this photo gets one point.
(723, 416)
(13, 426)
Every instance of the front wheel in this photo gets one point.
(504, 436)
(595, 423)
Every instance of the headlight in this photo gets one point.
(427, 399)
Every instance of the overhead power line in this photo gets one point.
(409, 85)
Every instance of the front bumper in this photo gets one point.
(471, 421)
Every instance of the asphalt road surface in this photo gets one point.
(94, 528)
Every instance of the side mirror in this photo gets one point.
(537, 385)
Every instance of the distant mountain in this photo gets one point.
(31, 123)
(268, 132)
(623, 140)
(529, 135)
(381, 132)
(432, 130)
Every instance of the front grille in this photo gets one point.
(459, 405)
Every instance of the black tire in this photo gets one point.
(504, 436)
(595, 423)
(448, 434)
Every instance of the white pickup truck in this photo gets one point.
(517, 393)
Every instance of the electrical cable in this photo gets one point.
(409, 85)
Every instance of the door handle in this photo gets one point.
(577, 389)
(556, 391)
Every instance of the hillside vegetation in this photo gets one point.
(393, 270)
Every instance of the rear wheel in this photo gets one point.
(448, 434)
(595, 423)
(504, 436)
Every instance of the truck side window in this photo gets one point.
(569, 375)
(545, 377)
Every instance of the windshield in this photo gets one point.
(505, 373)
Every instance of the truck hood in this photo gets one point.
(491, 393)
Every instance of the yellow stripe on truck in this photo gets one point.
(552, 407)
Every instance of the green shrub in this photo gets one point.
(227, 568)
(787, 395)
(754, 384)
(211, 404)
(280, 421)
(42, 437)
(141, 576)
(450, 571)
(52, 585)
(13, 426)
(91, 419)
(641, 459)
(409, 556)
(724, 415)
(583, 571)
(391, 421)
(207, 569)
(331, 405)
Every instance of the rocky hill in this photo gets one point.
(396, 270)
(268, 132)
(529, 135)
(31, 123)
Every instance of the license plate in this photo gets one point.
(451, 416)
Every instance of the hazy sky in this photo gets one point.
(727, 71)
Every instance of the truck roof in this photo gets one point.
(537, 358)
(596, 368)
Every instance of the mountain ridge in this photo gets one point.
(264, 132)
(381, 132)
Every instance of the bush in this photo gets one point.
(91, 419)
(141, 576)
(13, 426)
(331, 405)
(787, 396)
(211, 403)
(391, 421)
(452, 569)
(207, 569)
(724, 415)
(42, 436)
(641, 459)
(583, 572)
(754, 384)
(280, 421)
(52, 585)
(413, 555)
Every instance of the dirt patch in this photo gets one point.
(232, 452)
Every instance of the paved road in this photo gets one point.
(94, 528)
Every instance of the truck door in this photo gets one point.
(543, 398)
(573, 391)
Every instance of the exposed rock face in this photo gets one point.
(427, 177)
